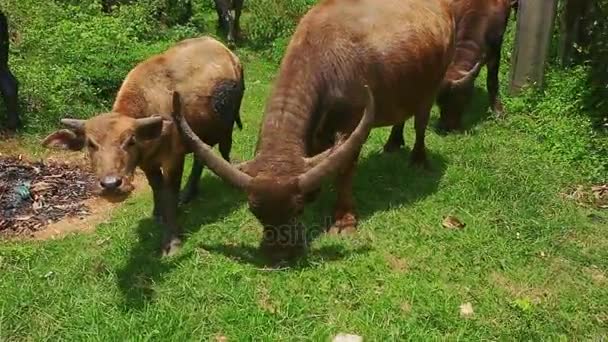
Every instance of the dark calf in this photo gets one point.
(9, 86)
(228, 16)
(480, 27)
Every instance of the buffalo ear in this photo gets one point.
(64, 139)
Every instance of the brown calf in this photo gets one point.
(480, 26)
(139, 132)
(399, 48)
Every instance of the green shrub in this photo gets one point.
(273, 22)
(557, 116)
(71, 59)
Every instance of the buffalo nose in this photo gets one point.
(110, 182)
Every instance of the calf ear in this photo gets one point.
(64, 139)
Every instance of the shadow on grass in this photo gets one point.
(145, 266)
(251, 255)
(476, 112)
(382, 181)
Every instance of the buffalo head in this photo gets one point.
(114, 143)
(276, 198)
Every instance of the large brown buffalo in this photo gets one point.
(139, 131)
(480, 27)
(319, 113)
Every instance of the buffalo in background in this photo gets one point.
(9, 86)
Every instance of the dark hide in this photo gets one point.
(9, 86)
(226, 101)
(228, 22)
(480, 27)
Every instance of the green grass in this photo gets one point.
(532, 264)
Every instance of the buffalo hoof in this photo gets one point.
(187, 196)
(171, 246)
(345, 225)
(419, 160)
(498, 111)
(390, 147)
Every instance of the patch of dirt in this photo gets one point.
(406, 307)
(597, 276)
(516, 290)
(595, 196)
(45, 199)
(36, 194)
(397, 264)
(265, 302)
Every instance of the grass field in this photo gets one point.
(530, 262)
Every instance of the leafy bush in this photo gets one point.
(557, 116)
(273, 23)
(71, 59)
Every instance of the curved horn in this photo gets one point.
(148, 121)
(316, 159)
(311, 180)
(218, 165)
(74, 124)
(468, 78)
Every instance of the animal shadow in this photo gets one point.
(384, 180)
(249, 254)
(145, 266)
(376, 187)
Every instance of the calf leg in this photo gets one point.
(493, 65)
(191, 190)
(395, 140)
(9, 87)
(345, 220)
(226, 147)
(155, 180)
(421, 120)
(172, 180)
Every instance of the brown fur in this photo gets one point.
(480, 26)
(400, 48)
(117, 142)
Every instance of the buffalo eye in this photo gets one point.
(129, 142)
(92, 145)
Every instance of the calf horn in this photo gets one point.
(312, 179)
(148, 121)
(468, 78)
(74, 124)
(203, 151)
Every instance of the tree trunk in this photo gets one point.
(532, 40)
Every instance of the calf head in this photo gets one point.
(115, 144)
(277, 194)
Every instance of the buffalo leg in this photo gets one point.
(9, 87)
(421, 120)
(395, 140)
(226, 148)
(238, 4)
(345, 220)
(493, 66)
(155, 179)
(170, 197)
(191, 190)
